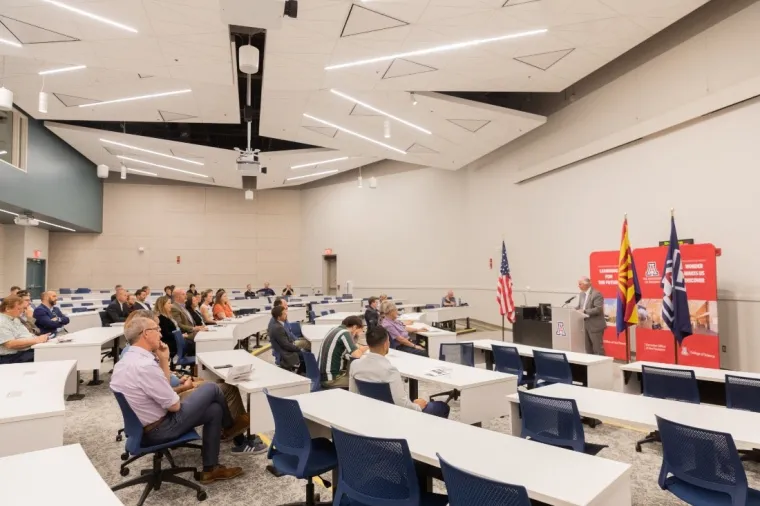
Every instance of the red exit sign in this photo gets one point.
(328, 251)
(37, 253)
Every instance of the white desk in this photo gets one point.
(639, 411)
(594, 371)
(411, 307)
(352, 306)
(278, 381)
(315, 334)
(32, 409)
(552, 475)
(447, 314)
(434, 337)
(480, 390)
(335, 319)
(72, 480)
(217, 338)
(81, 321)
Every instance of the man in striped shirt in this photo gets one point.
(339, 345)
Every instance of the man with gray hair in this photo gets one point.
(143, 381)
(591, 304)
(117, 311)
(182, 316)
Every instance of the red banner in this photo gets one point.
(604, 277)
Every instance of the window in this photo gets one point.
(14, 129)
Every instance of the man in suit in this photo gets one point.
(115, 289)
(302, 343)
(117, 311)
(47, 317)
(372, 315)
(182, 316)
(591, 304)
(266, 291)
(288, 351)
(141, 300)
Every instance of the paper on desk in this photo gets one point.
(438, 371)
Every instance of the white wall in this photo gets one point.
(14, 261)
(3, 288)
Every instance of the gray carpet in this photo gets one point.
(93, 423)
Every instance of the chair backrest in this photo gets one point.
(180, 340)
(743, 393)
(458, 353)
(332, 311)
(105, 302)
(77, 298)
(465, 489)
(507, 359)
(666, 383)
(295, 329)
(88, 304)
(312, 370)
(325, 313)
(66, 304)
(338, 300)
(82, 290)
(377, 391)
(65, 291)
(79, 310)
(133, 428)
(552, 367)
(376, 470)
(103, 319)
(703, 458)
(291, 435)
(551, 420)
(312, 316)
(429, 306)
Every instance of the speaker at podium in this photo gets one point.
(568, 330)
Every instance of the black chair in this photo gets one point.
(507, 359)
(104, 319)
(455, 353)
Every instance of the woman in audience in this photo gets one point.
(398, 331)
(168, 325)
(207, 306)
(15, 340)
(192, 289)
(222, 308)
(193, 307)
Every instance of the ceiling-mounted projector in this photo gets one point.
(248, 162)
(248, 59)
(25, 221)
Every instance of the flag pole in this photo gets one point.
(675, 341)
(502, 328)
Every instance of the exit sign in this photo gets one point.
(328, 251)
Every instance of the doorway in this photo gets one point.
(330, 275)
(35, 277)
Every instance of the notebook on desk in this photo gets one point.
(239, 373)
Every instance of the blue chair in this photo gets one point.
(79, 310)
(554, 421)
(183, 362)
(82, 290)
(295, 329)
(744, 393)
(77, 298)
(456, 353)
(348, 296)
(507, 359)
(704, 467)
(551, 368)
(105, 302)
(294, 452)
(325, 313)
(267, 308)
(66, 304)
(467, 489)
(312, 316)
(86, 304)
(312, 370)
(338, 300)
(332, 311)
(104, 319)
(65, 291)
(378, 472)
(429, 306)
(153, 478)
(377, 391)
(667, 383)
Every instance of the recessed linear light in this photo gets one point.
(152, 152)
(312, 175)
(3, 153)
(159, 166)
(437, 49)
(351, 132)
(91, 15)
(10, 43)
(386, 114)
(313, 164)
(144, 172)
(41, 221)
(141, 97)
(61, 70)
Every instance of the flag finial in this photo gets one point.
(672, 211)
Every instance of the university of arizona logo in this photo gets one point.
(684, 351)
(652, 270)
(561, 329)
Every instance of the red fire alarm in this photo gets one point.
(328, 251)
(490, 263)
(178, 260)
(37, 253)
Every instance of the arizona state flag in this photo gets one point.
(629, 293)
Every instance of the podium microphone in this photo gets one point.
(568, 301)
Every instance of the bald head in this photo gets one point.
(179, 295)
(49, 298)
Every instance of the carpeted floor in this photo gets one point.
(93, 423)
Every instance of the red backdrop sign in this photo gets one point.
(604, 277)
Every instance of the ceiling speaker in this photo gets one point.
(103, 171)
(6, 99)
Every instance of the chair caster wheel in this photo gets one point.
(157, 486)
(124, 471)
(119, 438)
(197, 476)
(638, 448)
(125, 456)
(202, 496)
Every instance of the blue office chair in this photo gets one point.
(82, 290)
(104, 319)
(554, 421)
(467, 489)
(507, 359)
(348, 296)
(294, 452)
(338, 300)
(79, 310)
(325, 313)
(77, 298)
(551, 368)
(332, 311)
(312, 370)
(456, 353)
(667, 383)
(83, 304)
(295, 329)
(65, 291)
(429, 306)
(105, 302)
(66, 304)
(183, 362)
(153, 478)
(377, 391)
(704, 467)
(744, 393)
(378, 472)
(312, 316)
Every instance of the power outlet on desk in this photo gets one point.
(723, 348)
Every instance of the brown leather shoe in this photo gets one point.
(220, 473)
(240, 425)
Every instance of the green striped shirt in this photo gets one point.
(337, 344)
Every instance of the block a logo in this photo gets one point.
(561, 329)
(652, 270)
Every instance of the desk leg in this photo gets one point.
(413, 389)
(489, 359)
(76, 396)
(95, 378)
(468, 322)
(258, 345)
(115, 350)
(515, 419)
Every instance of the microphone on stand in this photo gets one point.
(568, 301)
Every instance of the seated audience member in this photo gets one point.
(399, 332)
(192, 289)
(372, 315)
(249, 293)
(222, 308)
(27, 314)
(449, 300)
(287, 291)
(131, 302)
(115, 290)
(168, 325)
(193, 307)
(15, 340)
(14, 290)
(301, 343)
(47, 316)
(266, 291)
(117, 311)
(382, 298)
(290, 357)
(207, 306)
(141, 302)
(144, 383)
(168, 289)
(337, 347)
(182, 316)
(375, 368)
(146, 289)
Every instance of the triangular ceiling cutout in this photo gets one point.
(72, 101)
(421, 150)
(32, 34)
(512, 3)
(471, 125)
(359, 110)
(174, 116)
(400, 67)
(182, 154)
(144, 76)
(326, 131)
(363, 20)
(115, 151)
(544, 61)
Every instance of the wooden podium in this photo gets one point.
(568, 330)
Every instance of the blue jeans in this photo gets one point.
(412, 350)
(205, 406)
(18, 357)
(437, 408)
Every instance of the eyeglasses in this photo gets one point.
(152, 328)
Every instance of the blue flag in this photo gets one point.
(675, 305)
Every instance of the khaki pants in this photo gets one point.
(231, 396)
(303, 344)
(340, 381)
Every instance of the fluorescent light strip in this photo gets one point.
(350, 132)
(437, 49)
(151, 152)
(314, 164)
(91, 15)
(144, 172)
(10, 43)
(312, 175)
(371, 108)
(41, 221)
(141, 97)
(61, 70)
(159, 166)
(3, 153)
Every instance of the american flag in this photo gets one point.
(504, 288)
(675, 305)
